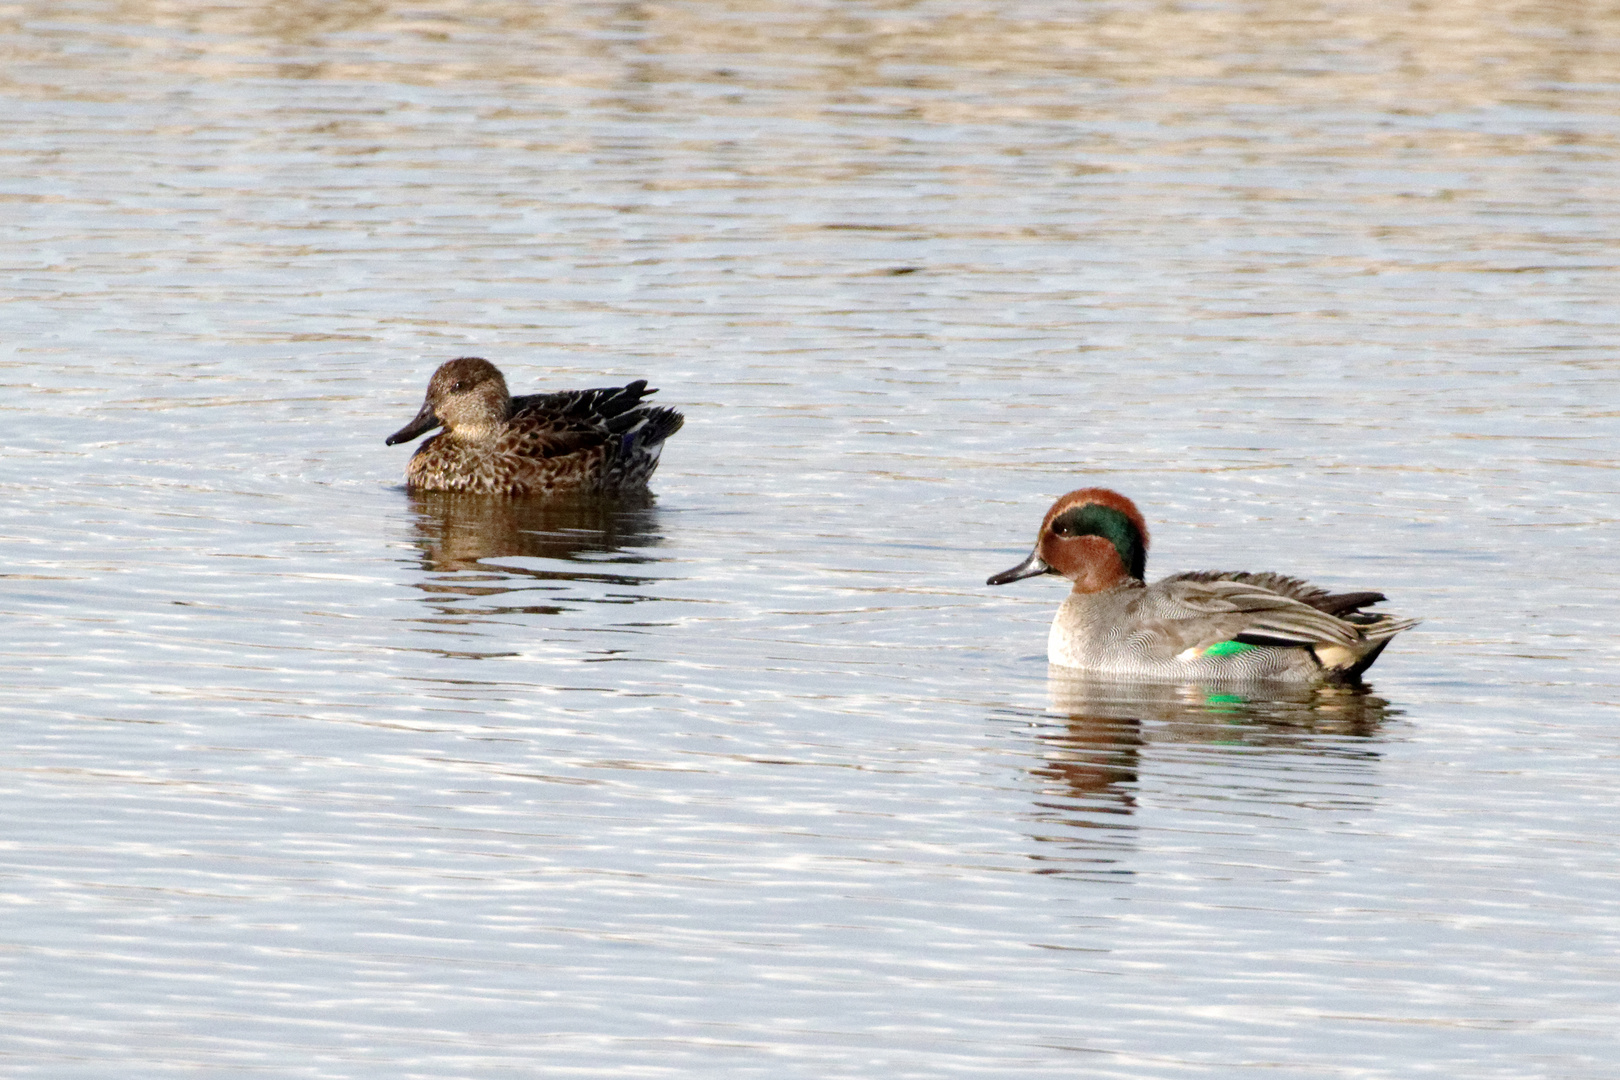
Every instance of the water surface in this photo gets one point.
(308, 776)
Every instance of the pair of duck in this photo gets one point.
(1221, 625)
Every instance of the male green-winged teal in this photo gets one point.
(573, 441)
(1202, 625)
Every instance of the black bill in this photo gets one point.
(426, 420)
(1034, 566)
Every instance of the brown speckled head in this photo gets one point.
(468, 396)
(1094, 537)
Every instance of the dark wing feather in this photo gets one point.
(568, 421)
(602, 402)
(1339, 604)
(650, 426)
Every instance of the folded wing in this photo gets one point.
(1203, 610)
(571, 421)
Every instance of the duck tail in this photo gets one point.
(640, 436)
(659, 424)
(1388, 627)
(1377, 635)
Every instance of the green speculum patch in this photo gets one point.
(1228, 648)
(1111, 525)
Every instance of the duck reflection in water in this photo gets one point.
(1091, 758)
(458, 533)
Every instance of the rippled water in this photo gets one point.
(307, 776)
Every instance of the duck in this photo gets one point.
(1200, 625)
(600, 441)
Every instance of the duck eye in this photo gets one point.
(457, 387)
(1062, 529)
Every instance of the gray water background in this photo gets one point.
(305, 777)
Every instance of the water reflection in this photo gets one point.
(455, 531)
(1091, 761)
(1248, 714)
(458, 535)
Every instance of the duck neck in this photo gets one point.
(476, 432)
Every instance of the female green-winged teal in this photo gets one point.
(573, 441)
(1201, 625)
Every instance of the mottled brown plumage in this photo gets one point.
(574, 441)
